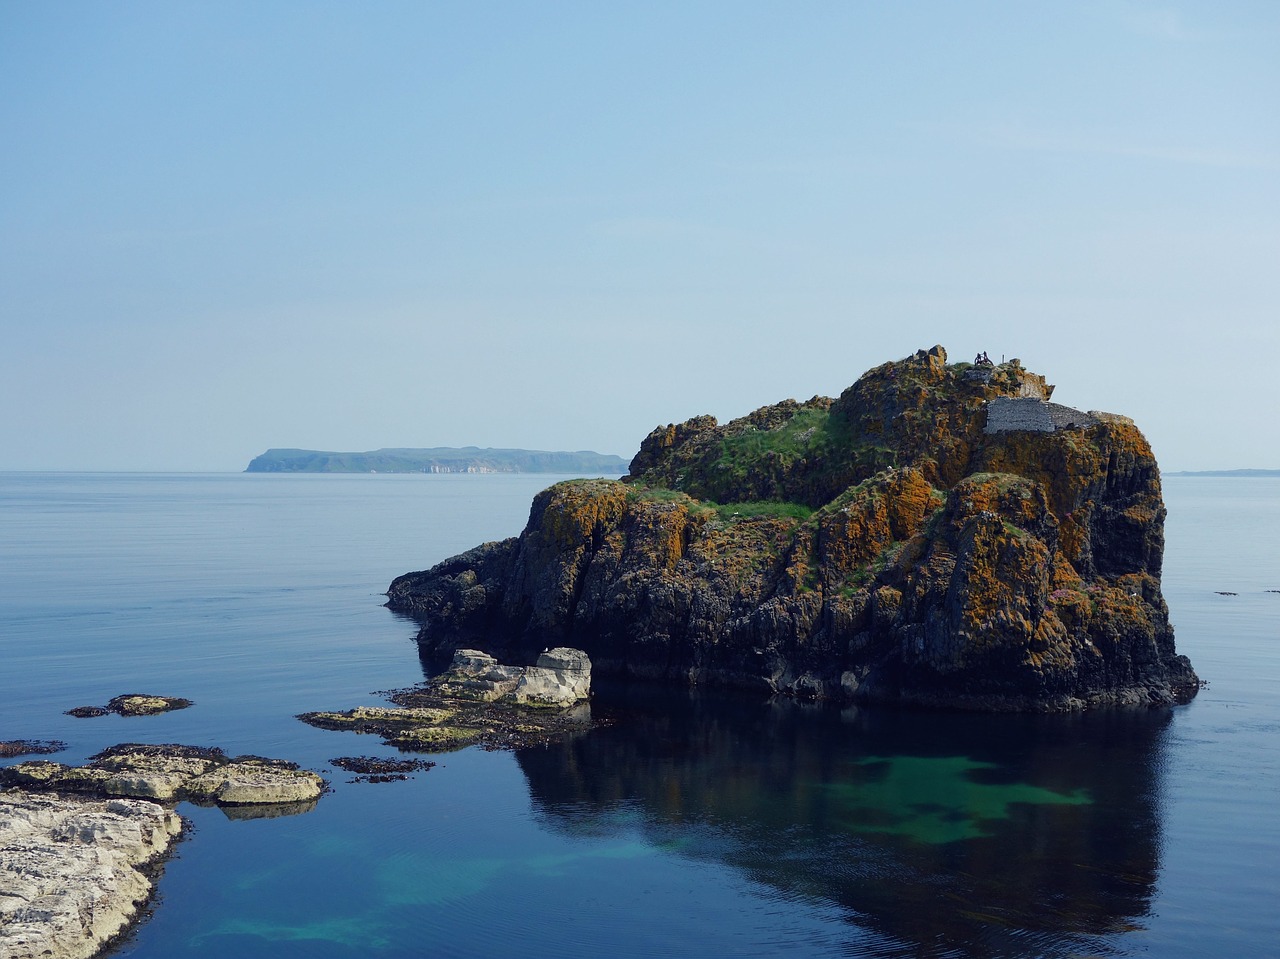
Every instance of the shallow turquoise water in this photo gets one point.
(690, 825)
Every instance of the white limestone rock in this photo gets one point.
(70, 876)
(255, 783)
(477, 675)
(561, 678)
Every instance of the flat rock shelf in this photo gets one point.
(76, 870)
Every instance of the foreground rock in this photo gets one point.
(940, 534)
(74, 871)
(479, 701)
(170, 773)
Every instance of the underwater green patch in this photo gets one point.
(932, 800)
(359, 932)
(428, 881)
(417, 880)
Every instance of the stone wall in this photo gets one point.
(1005, 414)
(1065, 417)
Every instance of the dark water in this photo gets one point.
(690, 825)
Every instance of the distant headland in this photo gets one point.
(1229, 473)
(440, 459)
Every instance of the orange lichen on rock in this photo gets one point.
(902, 542)
(576, 512)
(857, 526)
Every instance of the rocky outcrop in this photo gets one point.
(170, 773)
(477, 700)
(132, 704)
(29, 747)
(75, 871)
(560, 678)
(880, 546)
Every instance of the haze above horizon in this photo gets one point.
(236, 226)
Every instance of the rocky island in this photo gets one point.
(941, 534)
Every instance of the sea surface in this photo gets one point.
(692, 825)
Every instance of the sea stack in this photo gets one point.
(941, 534)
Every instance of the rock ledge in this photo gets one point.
(170, 773)
(75, 870)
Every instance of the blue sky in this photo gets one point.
(236, 225)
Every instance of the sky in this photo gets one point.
(229, 226)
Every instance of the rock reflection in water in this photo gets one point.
(939, 833)
(268, 810)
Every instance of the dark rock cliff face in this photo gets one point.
(881, 546)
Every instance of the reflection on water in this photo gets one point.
(693, 828)
(268, 810)
(936, 833)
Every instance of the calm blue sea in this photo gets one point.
(692, 825)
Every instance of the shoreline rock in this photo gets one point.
(77, 871)
(479, 701)
(79, 844)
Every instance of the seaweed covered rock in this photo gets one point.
(477, 700)
(132, 704)
(939, 534)
(173, 772)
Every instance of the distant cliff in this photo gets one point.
(467, 459)
(939, 534)
(1230, 474)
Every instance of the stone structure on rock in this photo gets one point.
(939, 534)
(1007, 414)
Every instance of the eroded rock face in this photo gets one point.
(881, 546)
(560, 678)
(71, 870)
